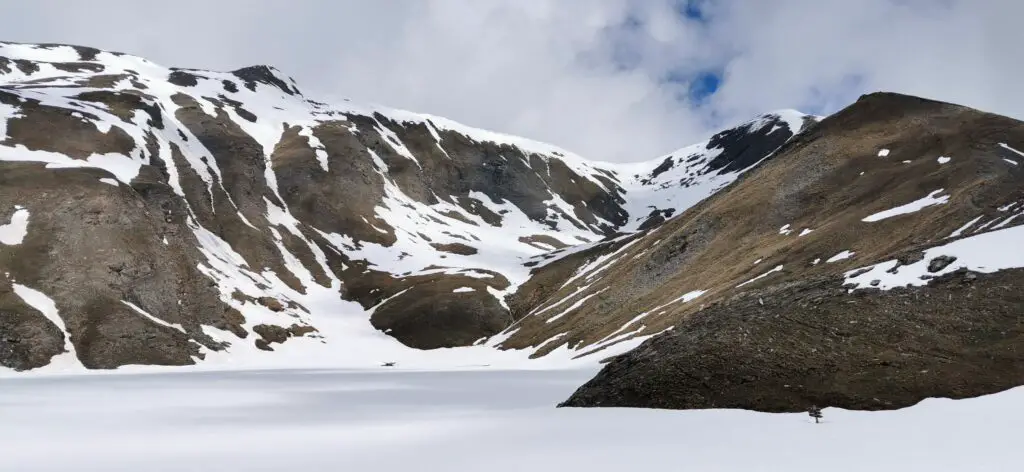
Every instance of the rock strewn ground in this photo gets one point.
(785, 348)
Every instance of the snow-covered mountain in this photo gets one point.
(165, 216)
(158, 216)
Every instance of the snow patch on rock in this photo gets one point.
(14, 233)
(777, 268)
(68, 361)
(931, 199)
(841, 256)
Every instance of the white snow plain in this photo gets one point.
(495, 421)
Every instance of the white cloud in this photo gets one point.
(803, 53)
(568, 72)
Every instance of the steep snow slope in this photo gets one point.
(216, 205)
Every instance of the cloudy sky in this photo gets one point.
(618, 80)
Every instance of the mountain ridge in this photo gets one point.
(291, 209)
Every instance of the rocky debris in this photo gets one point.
(939, 263)
(271, 303)
(455, 248)
(232, 321)
(905, 259)
(263, 345)
(270, 334)
(872, 350)
(299, 331)
(865, 270)
(910, 258)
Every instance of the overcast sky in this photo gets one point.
(618, 80)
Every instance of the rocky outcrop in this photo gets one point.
(98, 252)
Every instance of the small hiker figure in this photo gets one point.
(815, 413)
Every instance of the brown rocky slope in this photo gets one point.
(872, 263)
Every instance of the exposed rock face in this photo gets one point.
(160, 215)
(870, 264)
(97, 251)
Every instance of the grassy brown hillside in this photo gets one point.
(776, 330)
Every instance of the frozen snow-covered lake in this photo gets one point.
(332, 420)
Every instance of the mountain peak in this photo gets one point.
(267, 75)
(874, 104)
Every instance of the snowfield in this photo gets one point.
(474, 420)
